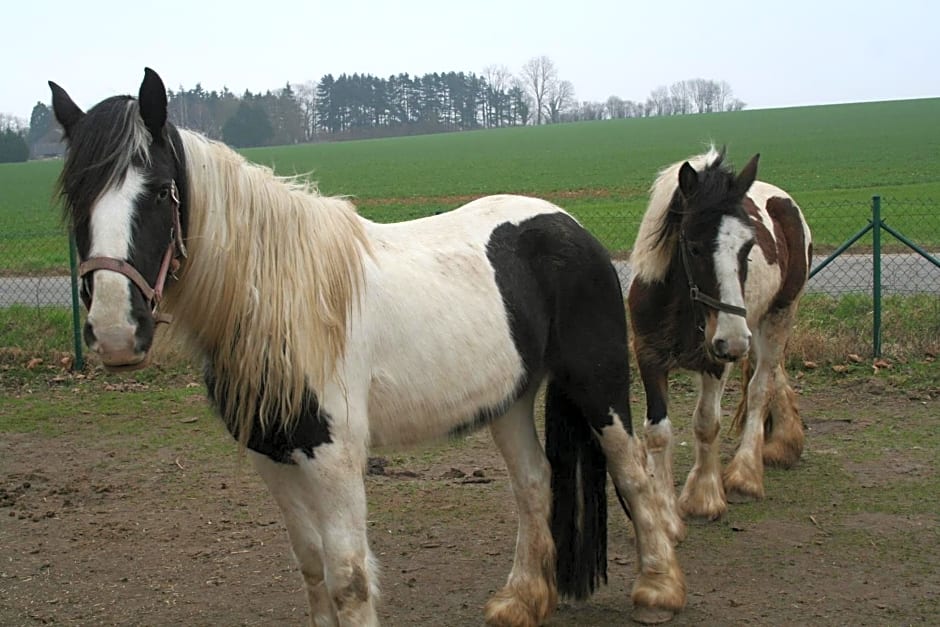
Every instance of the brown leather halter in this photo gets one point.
(169, 266)
(696, 294)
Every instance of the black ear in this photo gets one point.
(747, 175)
(66, 111)
(152, 99)
(688, 180)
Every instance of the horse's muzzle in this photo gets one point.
(118, 350)
(728, 350)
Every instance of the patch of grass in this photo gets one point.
(137, 416)
(830, 328)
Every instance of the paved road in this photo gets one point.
(902, 273)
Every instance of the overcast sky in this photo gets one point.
(772, 53)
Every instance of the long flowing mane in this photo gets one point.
(653, 249)
(273, 274)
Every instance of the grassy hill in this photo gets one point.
(831, 158)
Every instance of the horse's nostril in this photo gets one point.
(721, 347)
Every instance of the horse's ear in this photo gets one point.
(152, 99)
(747, 175)
(66, 111)
(688, 180)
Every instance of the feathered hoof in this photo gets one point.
(703, 512)
(781, 453)
(658, 596)
(703, 501)
(651, 616)
(741, 489)
(507, 609)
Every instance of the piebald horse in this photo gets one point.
(323, 334)
(720, 263)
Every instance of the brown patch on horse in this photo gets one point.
(764, 238)
(791, 244)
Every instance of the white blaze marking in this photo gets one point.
(732, 235)
(111, 230)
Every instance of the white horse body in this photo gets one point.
(427, 311)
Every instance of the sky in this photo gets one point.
(771, 53)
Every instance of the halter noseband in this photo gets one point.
(153, 295)
(696, 294)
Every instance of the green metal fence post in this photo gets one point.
(876, 274)
(76, 315)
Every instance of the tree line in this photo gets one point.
(361, 105)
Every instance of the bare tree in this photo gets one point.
(616, 108)
(537, 74)
(559, 97)
(496, 104)
(659, 102)
(9, 122)
(306, 96)
(736, 104)
(680, 96)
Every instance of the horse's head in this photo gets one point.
(124, 191)
(715, 239)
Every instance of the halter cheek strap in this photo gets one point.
(168, 267)
(697, 295)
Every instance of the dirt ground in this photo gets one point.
(97, 528)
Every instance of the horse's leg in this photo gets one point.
(659, 445)
(703, 495)
(288, 492)
(783, 445)
(323, 503)
(744, 475)
(530, 594)
(783, 441)
(659, 589)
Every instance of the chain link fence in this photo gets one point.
(34, 264)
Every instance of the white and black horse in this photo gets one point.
(324, 333)
(720, 263)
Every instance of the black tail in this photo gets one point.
(579, 496)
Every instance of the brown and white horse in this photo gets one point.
(720, 263)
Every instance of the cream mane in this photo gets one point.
(267, 291)
(650, 257)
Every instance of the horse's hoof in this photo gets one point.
(651, 615)
(703, 520)
(739, 498)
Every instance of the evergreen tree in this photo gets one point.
(13, 148)
(40, 123)
(249, 126)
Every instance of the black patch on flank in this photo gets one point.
(310, 429)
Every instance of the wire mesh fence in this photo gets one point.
(34, 264)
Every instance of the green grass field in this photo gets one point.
(831, 158)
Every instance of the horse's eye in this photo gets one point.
(163, 194)
(695, 250)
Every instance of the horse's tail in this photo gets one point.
(579, 496)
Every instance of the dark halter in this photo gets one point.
(696, 294)
(153, 295)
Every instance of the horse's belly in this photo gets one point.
(407, 410)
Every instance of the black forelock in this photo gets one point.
(716, 195)
(101, 147)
